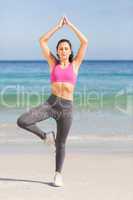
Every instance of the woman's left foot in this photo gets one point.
(58, 181)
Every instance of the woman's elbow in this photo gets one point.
(86, 41)
(42, 40)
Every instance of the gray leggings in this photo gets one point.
(62, 111)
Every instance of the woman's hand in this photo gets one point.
(61, 23)
(66, 21)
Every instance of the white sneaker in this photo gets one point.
(58, 181)
(50, 138)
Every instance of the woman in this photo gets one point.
(59, 105)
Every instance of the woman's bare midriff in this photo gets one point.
(64, 90)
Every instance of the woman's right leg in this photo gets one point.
(29, 119)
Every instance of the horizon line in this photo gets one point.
(43, 60)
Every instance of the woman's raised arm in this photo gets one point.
(83, 43)
(44, 42)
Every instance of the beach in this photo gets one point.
(94, 168)
(27, 174)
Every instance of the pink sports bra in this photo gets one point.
(58, 74)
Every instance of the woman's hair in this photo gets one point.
(65, 40)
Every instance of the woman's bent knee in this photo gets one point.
(22, 122)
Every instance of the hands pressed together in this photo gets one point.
(63, 21)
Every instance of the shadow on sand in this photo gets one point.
(27, 181)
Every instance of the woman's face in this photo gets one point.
(64, 51)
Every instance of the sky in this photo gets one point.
(108, 25)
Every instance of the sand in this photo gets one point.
(25, 175)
